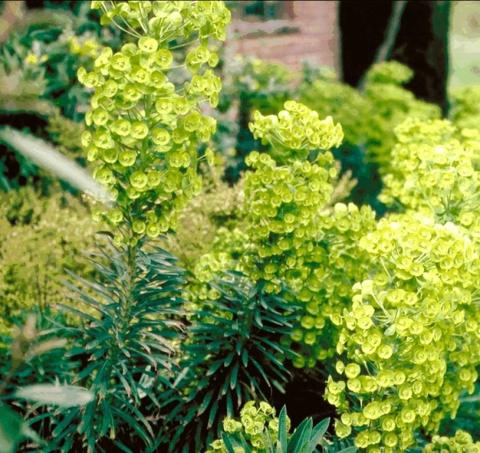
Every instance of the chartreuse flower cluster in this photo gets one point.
(285, 198)
(433, 171)
(144, 128)
(337, 263)
(390, 104)
(465, 107)
(462, 442)
(283, 204)
(284, 193)
(256, 421)
(297, 133)
(369, 117)
(409, 341)
(287, 189)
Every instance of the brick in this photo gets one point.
(316, 40)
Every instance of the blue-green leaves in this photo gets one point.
(233, 353)
(126, 345)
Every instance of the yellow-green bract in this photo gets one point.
(145, 122)
(255, 421)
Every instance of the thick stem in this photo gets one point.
(127, 299)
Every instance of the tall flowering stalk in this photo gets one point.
(146, 120)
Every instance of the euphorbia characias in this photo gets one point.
(399, 295)
(256, 424)
(284, 197)
(144, 126)
(435, 171)
(407, 348)
(285, 193)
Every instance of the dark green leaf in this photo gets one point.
(11, 425)
(282, 430)
(317, 435)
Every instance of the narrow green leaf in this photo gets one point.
(234, 375)
(213, 413)
(282, 430)
(317, 435)
(10, 429)
(228, 444)
(205, 402)
(245, 357)
(301, 436)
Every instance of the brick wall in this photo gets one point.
(312, 36)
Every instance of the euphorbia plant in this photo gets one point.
(296, 239)
(144, 129)
(146, 121)
(408, 347)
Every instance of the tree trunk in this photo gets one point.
(421, 42)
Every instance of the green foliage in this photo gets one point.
(125, 349)
(253, 85)
(464, 107)
(41, 57)
(462, 442)
(30, 346)
(232, 354)
(40, 237)
(38, 86)
(259, 430)
(144, 129)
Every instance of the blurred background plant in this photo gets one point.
(39, 90)
(40, 237)
(33, 355)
